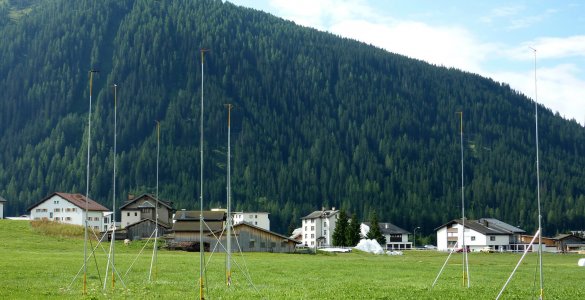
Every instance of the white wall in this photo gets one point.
(312, 229)
(1, 210)
(61, 210)
(259, 219)
(129, 217)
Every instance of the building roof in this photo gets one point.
(388, 228)
(193, 215)
(78, 200)
(166, 204)
(565, 236)
(149, 220)
(2, 199)
(321, 214)
(489, 227)
(193, 226)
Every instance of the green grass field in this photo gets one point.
(37, 264)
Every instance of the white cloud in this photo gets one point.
(560, 85)
(551, 48)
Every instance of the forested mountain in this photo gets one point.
(318, 120)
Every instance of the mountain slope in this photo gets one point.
(318, 120)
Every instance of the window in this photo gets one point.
(96, 219)
(262, 245)
(136, 214)
(492, 238)
(251, 245)
(68, 209)
(324, 232)
(128, 214)
(105, 220)
(256, 216)
(305, 228)
(395, 238)
(39, 210)
(255, 223)
(57, 210)
(312, 243)
(273, 244)
(67, 218)
(96, 227)
(325, 223)
(305, 235)
(55, 201)
(312, 228)
(50, 215)
(473, 238)
(74, 209)
(57, 219)
(312, 220)
(312, 235)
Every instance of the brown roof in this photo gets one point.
(78, 200)
(164, 203)
(208, 216)
(193, 226)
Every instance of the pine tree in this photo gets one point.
(353, 237)
(340, 232)
(375, 232)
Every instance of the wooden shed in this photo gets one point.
(251, 238)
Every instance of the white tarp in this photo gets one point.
(581, 262)
(370, 246)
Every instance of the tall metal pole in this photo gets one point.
(154, 250)
(114, 194)
(229, 209)
(87, 184)
(465, 260)
(538, 183)
(201, 244)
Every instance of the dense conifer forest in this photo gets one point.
(318, 120)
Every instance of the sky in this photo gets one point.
(491, 38)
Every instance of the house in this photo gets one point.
(70, 209)
(251, 238)
(136, 209)
(186, 225)
(318, 227)
(485, 232)
(549, 244)
(396, 237)
(259, 219)
(2, 203)
(569, 243)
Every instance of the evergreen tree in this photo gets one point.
(340, 232)
(375, 232)
(353, 237)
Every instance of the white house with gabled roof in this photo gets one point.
(479, 234)
(70, 209)
(318, 227)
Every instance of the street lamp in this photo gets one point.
(414, 237)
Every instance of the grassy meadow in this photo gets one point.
(37, 263)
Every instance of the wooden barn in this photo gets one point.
(186, 225)
(251, 238)
(145, 229)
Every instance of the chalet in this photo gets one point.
(251, 238)
(2, 203)
(259, 219)
(485, 232)
(144, 207)
(548, 244)
(396, 237)
(569, 243)
(318, 227)
(70, 208)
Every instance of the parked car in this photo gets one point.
(487, 249)
(430, 247)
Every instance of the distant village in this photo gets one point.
(251, 230)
